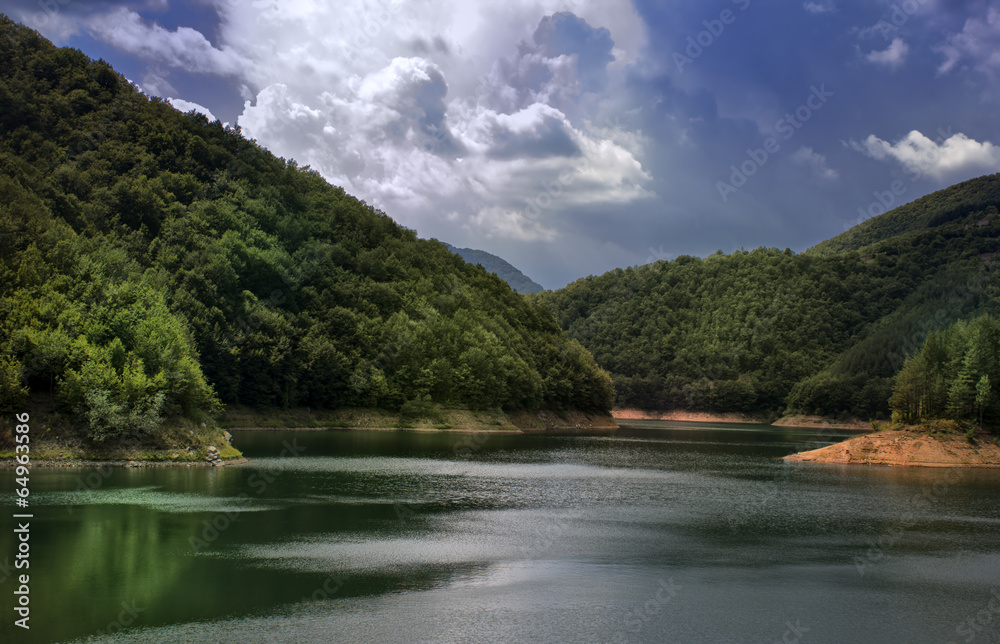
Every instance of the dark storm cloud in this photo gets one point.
(564, 34)
(546, 139)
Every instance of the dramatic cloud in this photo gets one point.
(416, 132)
(956, 156)
(564, 34)
(512, 224)
(184, 48)
(561, 134)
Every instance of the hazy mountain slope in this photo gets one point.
(499, 267)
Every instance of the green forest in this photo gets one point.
(954, 375)
(158, 266)
(770, 332)
(154, 265)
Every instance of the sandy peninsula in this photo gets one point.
(907, 448)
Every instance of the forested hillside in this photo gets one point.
(932, 210)
(769, 331)
(155, 264)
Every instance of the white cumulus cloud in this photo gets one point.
(187, 106)
(952, 159)
(893, 56)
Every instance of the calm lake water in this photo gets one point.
(666, 532)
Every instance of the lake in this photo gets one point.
(665, 532)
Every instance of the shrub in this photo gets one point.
(12, 390)
(107, 419)
(421, 407)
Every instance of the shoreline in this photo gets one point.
(894, 448)
(60, 454)
(74, 463)
(819, 422)
(555, 430)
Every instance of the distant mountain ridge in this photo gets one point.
(499, 267)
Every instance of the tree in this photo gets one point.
(965, 349)
(908, 394)
(983, 395)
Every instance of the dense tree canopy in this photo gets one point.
(952, 376)
(770, 332)
(932, 210)
(154, 263)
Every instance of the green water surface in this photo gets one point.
(666, 532)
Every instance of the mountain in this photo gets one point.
(928, 211)
(154, 265)
(770, 332)
(499, 267)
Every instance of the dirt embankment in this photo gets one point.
(809, 422)
(818, 422)
(566, 422)
(685, 416)
(907, 448)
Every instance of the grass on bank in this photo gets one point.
(941, 428)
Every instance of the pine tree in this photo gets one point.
(983, 395)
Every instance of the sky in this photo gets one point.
(571, 137)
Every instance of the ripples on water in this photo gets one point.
(664, 533)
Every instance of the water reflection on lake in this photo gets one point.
(666, 532)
